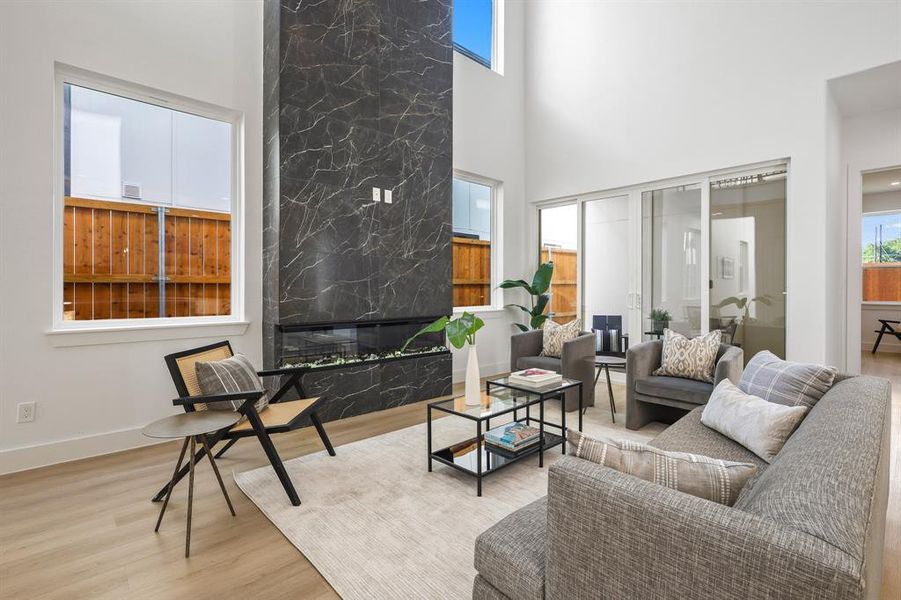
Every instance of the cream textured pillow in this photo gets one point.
(555, 335)
(689, 358)
(709, 478)
(760, 426)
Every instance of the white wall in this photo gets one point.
(489, 141)
(623, 93)
(94, 398)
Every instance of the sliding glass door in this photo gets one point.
(559, 242)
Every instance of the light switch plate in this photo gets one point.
(376, 194)
(387, 196)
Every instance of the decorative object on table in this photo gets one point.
(555, 335)
(743, 305)
(535, 377)
(663, 398)
(790, 383)
(709, 478)
(194, 427)
(513, 437)
(609, 332)
(886, 329)
(279, 417)
(538, 295)
(605, 363)
(660, 319)
(760, 426)
(575, 362)
(460, 331)
(689, 358)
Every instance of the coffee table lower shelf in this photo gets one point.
(464, 456)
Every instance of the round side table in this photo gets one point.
(194, 427)
(605, 363)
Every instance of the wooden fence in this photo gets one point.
(111, 261)
(882, 282)
(471, 272)
(564, 284)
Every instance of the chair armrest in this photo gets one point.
(528, 343)
(629, 538)
(643, 359)
(730, 365)
(251, 396)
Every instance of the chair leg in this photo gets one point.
(272, 455)
(171, 485)
(218, 476)
(322, 434)
(225, 448)
(878, 339)
(190, 497)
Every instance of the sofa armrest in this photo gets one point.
(612, 535)
(578, 350)
(528, 343)
(730, 365)
(642, 360)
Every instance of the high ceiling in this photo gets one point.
(868, 91)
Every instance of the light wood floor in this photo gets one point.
(85, 529)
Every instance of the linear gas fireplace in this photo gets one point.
(332, 344)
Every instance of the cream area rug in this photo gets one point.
(377, 524)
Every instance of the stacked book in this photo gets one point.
(512, 437)
(535, 378)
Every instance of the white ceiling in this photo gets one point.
(881, 181)
(867, 91)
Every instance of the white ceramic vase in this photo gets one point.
(473, 383)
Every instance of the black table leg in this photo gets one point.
(541, 429)
(610, 394)
(478, 458)
(429, 437)
(581, 411)
(563, 430)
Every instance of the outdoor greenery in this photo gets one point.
(460, 331)
(891, 251)
(538, 295)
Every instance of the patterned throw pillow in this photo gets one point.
(689, 358)
(709, 478)
(555, 335)
(760, 426)
(793, 384)
(235, 374)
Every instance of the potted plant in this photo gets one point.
(538, 294)
(460, 331)
(660, 319)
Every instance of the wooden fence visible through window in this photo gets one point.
(882, 282)
(111, 261)
(563, 284)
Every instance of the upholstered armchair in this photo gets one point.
(652, 397)
(576, 362)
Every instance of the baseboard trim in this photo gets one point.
(489, 370)
(26, 458)
(884, 346)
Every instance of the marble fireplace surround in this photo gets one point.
(358, 95)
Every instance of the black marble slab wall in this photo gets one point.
(358, 95)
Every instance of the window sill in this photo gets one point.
(146, 332)
(458, 310)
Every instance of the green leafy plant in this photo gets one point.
(660, 314)
(460, 331)
(538, 294)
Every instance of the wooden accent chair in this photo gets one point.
(277, 418)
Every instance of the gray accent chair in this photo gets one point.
(809, 526)
(576, 362)
(652, 397)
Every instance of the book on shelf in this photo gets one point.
(535, 377)
(512, 436)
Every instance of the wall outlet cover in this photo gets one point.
(25, 412)
(387, 196)
(376, 194)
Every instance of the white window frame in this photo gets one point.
(235, 322)
(497, 41)
(496, 268)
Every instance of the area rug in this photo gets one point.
(377, 524)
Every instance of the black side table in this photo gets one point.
(605, 363)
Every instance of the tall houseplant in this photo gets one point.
(538, 295)
(460, 331)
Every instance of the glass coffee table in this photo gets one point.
(472, 455)
(557, 390)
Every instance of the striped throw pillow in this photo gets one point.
(235, 374)
(793, 384)
(709, 478)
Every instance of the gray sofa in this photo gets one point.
(652, 397)
(576, 362)
(808, 526)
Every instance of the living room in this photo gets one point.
(299, 189)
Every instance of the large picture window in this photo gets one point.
(147, 208)
(473, 242)
(473, 30)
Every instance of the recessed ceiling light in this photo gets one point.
(895, 183)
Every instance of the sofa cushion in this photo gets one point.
(540, 362)
(794, 384)
(713, 479)
(823, 480)
(510, 555)
(675, 388)
(688, 434)
(555, 335)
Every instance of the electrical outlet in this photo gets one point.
(387, 196)
(25, 412)
(376, 194)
